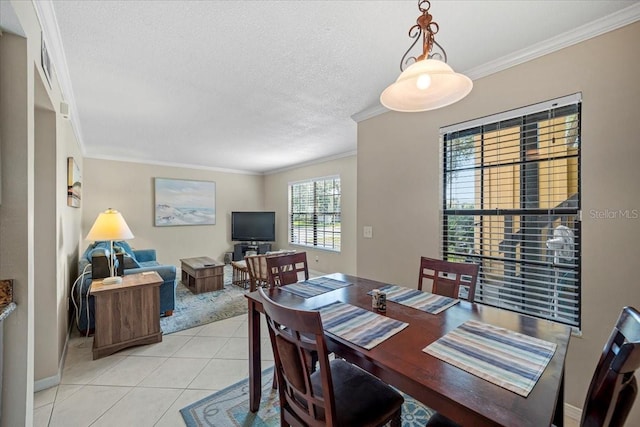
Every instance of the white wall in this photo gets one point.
(46, 317)
(33, 211)
(129, 188)
(16, 226)
(277, 199)
(399, 195)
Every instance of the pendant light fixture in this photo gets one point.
(426, 82)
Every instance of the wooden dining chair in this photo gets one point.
(284, 269)
(338, 393)
(257, 270)
(447, 277)
(613, 386)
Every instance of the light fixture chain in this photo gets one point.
(426, 28)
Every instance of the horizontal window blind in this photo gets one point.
(511, 203)
(315, 213)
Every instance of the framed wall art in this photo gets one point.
(184, 202)
(74, 183)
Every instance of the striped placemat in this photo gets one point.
(506, 358)
(312, 287)
(424, 301)
(357, 325)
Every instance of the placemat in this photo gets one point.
(312, 287)
(423, 301)
(357, 325)
(506, 358)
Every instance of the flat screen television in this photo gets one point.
(253, 226)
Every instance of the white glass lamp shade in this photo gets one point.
(110, 225)
(426, 85)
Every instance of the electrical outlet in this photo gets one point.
(367, 232)
(317, 259)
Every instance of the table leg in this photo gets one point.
(255, 380)
(558, 415)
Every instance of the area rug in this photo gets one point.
(193, 310)
(230, 407)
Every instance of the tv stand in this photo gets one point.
(240, 249)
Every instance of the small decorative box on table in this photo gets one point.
(202, 274)
(127, 313)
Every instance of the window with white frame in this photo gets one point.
(315, 213)
(511, 203)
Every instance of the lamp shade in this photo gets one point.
(110, 225)
(426, 85)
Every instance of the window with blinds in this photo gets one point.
(511, 203)
(314, 213)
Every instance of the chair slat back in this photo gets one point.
(285, 269)
(295, 336)
(257, 268)
(447, 277)
(613, 388)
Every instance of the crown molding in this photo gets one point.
(172, 164)
(128, 159)
(312, 162)
(585, 32)
(49, 24)
(369, 112)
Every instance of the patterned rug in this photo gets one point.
(230, 407)
(194, 310)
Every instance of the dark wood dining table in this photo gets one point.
(459, 395)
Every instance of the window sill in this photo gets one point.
(318, 248)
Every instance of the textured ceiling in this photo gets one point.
(258, 86)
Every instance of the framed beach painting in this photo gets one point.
(184, 202)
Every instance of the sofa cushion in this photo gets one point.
(147, 264)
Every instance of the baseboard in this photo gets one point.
(46, 383)
(54, 380)
(573, 413)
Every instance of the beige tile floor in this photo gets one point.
(148, 385)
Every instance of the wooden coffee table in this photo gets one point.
(202, 274)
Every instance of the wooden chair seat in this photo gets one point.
(438, 420)
(381, 402)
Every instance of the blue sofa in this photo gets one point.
(135, 261)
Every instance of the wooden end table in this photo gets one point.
(127, 313)
(202, 274)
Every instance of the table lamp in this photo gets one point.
(110, 225)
